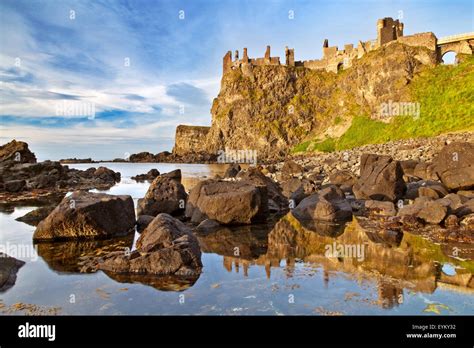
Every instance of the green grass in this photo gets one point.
(446, 97)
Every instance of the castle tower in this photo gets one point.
(236, 56)
(267, 53)
(227, 62)
(388, 30)
(245, 57)
(290, 56)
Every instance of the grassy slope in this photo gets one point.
(446, 97)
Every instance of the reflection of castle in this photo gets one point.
(388, 31)
(393, 264)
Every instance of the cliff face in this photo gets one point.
(190, 139)
(272, 108)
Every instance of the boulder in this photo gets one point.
(88, 215)
(297, 189)
(149, 176)
(381, 178)
(408, 167)
(16, 152)
(106, 175)
(291, 168)
(227, 202)
(329, 204)
(143, 221)
(455, 166)
(378, 208)
(9, 267)
(14, 185)
(465, 208)
(166, 194)
(432, 212)
(166, 247)
(425, 171)
(35, 216)
(344, 179)
(207, 226)
(276, 200)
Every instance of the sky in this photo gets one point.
(104, 79)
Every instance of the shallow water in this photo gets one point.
(247, 270)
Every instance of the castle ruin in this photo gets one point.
(334, 59)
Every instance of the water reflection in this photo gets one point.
(394, 260)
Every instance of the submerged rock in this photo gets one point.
(34, 217)
(150, 175)
(88, 215)
(9, 267)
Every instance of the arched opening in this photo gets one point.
(340, 67)
(449, 58)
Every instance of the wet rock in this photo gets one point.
(237, 202)
(106, 175)
(276, 200)
(166, 247)
(143, 221)
(166, 194)
(208, 225)
(378, 208)
(35, 216)
(149, 176)
(88, 215)
(232, 171)
(297, 189)
(9, 267)
(432, 212)
(381, 178)
(455, 166)
(16, 152)
(329, 204)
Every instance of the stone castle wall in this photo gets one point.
(334, 59)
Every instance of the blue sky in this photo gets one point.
(146, 69)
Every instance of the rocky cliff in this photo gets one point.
(189, 139)
(272, 108)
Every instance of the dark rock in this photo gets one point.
(150, 176)
(88, 215)
(166, 247)
(381, 178)
(9, 267)
(465, 209)
(276, 200)
(208, 225)
(143, 221)
(15, 185)
(35, 216)
(455, 166)
(227, 202)
(329, 204)
(166, 194)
